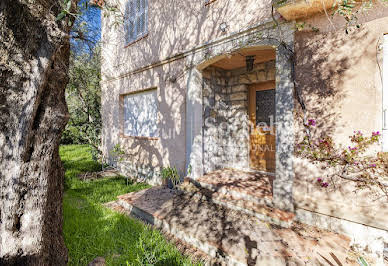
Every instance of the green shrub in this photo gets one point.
(171, 173)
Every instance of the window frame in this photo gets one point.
(133, 18)
(122, 115)
(208, 2)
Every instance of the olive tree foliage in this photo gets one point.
(83, 96)
(83, 92)
(86, 31)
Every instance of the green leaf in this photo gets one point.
(68, 5)
(362, 261)
(61, 15)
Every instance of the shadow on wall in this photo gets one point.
(226, 125)
(325, 66)
(336, 74)
(145, 157)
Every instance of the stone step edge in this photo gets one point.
(211, 250)
(232, 192)
(260, 216)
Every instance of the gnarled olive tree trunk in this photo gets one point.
(34, 54)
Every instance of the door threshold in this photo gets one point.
(251, 170)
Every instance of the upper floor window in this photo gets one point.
(136, 16)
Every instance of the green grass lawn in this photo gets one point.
(91, 230)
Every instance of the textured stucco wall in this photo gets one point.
(340, 80)
(337, 73)
(145, 156)
(173, 27)
(119, 63)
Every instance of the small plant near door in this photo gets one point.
(189, 170)
(117, 153)
(170, 177)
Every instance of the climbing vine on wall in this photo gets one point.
(353, 163)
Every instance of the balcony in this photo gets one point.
(296, 9)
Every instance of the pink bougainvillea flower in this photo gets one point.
(376, 133)
(372, 165)
(312, 122)
(319, 180)
(325, 184)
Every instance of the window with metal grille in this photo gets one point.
(136, 17)
(265, 107)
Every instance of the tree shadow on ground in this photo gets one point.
(91, 231)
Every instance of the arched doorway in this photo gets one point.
(205, 63)
(239, 110)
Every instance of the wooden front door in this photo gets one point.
(262, 133)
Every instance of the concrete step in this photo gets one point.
(230, 191)
(230, 236)
(260, 208)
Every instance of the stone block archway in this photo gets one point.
(259, 37)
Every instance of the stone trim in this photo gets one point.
(135, 41)
(245, 33)
(194, 144)
(264, 37)
(208, 2)
(366, 238)
(137, 137)
(226, 122)
(285, 137)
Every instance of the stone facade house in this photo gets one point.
(184, 81)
